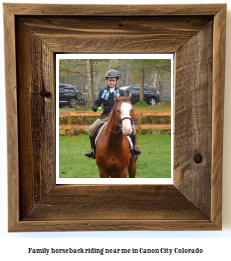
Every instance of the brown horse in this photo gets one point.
(113, 151)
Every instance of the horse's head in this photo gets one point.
(124, 113)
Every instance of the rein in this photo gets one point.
(119, 122)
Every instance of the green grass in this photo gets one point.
(141, 104)
(138, 107)
(154, 162)
(144, 107)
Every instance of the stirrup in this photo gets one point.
(134, 149)
(91, 154)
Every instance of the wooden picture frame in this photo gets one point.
(33, 34)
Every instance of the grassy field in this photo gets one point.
(138, 107)
(154, 162)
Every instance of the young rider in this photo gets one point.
(106, 97)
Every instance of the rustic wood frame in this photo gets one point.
(33, 34)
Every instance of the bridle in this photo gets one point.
(119, 122)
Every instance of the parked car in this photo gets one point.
(151, 95)
(68, 95)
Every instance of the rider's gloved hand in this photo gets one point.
(94, 107)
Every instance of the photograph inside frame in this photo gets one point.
(114, 118)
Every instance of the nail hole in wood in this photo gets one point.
(46, 94)
(198, 158)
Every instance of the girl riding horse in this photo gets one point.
(106, 97)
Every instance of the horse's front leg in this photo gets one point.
(132, 167)
(102, 173)
(123, 174)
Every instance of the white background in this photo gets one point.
(214, 244)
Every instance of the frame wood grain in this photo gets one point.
(33, 34)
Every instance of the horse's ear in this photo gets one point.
(130, 96)
(116, 98)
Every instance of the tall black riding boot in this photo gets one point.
(134, 151)
(91, 155)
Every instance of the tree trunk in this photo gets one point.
(156, 83)
(127, 75)
(142, 84)
(90, 81)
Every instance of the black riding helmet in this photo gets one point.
(112, 74)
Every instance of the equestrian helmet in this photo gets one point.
(112, 74)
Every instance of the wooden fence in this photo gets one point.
(139, 126)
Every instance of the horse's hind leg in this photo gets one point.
(132, 167)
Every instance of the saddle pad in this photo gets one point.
(129, 139)
(100, 132)
(130, 142)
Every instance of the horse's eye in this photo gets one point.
(118, 110)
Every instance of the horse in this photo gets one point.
(113, 155)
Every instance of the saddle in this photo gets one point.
(97, 129)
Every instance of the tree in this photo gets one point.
(91, 72)
(142, 84)
(70, 68)
(90, 64)
(142, 68)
